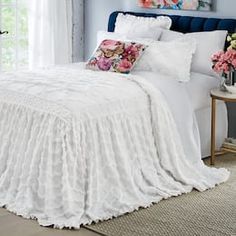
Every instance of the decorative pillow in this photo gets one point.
(116, 56)
(141, 27)
(207, 44)
(171, 58)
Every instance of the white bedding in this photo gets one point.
(203, 117)
(199, 88)
(78, 146)
(194, 97)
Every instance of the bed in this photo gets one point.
(80, 146)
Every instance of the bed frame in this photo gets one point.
(184, 24)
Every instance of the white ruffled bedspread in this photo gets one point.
(78, 146)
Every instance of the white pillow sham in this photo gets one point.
(171, 58)
(141, 27)
(207, 44)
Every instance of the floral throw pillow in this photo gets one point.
(116, 56)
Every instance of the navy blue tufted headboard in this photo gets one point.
(184, 24)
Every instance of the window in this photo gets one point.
(14, 45)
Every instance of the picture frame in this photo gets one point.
(193, 5)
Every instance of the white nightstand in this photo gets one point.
(216, 94)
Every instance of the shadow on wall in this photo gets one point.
(232, 118)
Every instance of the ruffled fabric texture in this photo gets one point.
(106, 145)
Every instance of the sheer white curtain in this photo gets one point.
(50, 32)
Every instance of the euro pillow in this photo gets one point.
(207, 44)
(170, 58)
(116, 56)
(141, 27)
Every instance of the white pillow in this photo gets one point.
(170, 35)
(171, 58)
(102, 35)
(207, 44)
(141, 27)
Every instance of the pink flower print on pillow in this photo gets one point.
(131, 52)
(104, 63)
(124, 66)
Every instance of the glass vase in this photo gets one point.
(230, 80)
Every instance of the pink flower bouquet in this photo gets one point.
(224, 62)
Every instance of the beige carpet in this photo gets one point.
(210, 213)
